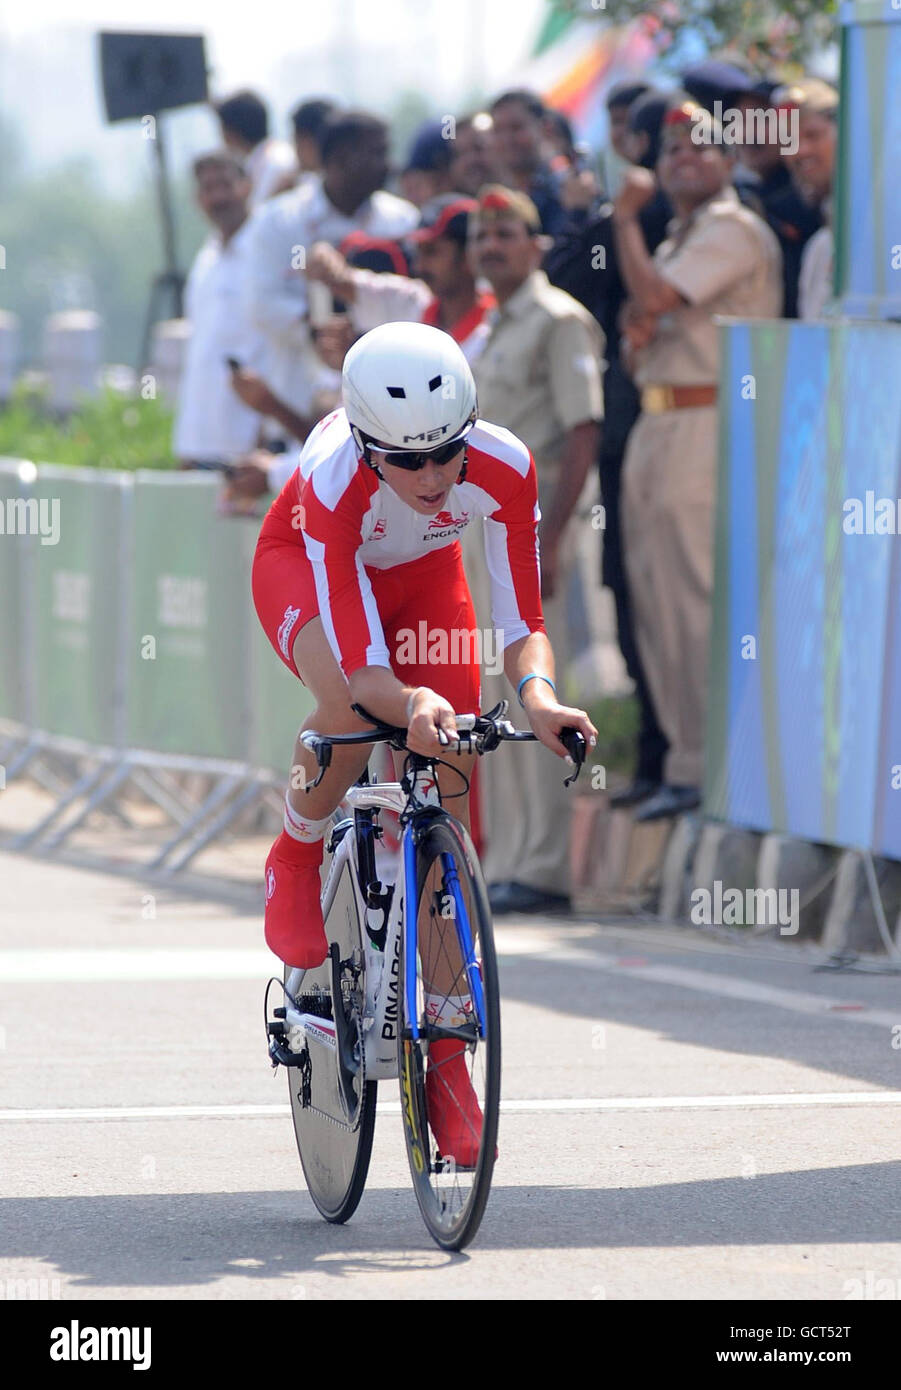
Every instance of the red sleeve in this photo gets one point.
(511, 547)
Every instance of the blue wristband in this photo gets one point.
(533, 676)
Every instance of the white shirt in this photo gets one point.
(211, 421)
(267, 165)
(285, 229)
(281, 469)
(815, 283)
(384, 298)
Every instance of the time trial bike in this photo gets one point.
(368, 1013)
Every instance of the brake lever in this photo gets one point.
(499, 711)
(323, 753)
(574, 743)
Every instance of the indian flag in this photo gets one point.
(576, 61)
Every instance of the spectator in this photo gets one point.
(245, 131)
(812, 165)
(760, 163)
(583, 261)
(211, 423)
(445, 295)
(619, 99)
(519, 131)
(723, 89)
(772, 192)
(761, 177)
(265, 470)
(309, 119)
(812, 170)
(473, 154)
(559, 140)
(719, 258)
(347, 197)
(539, 375)
(427, 171)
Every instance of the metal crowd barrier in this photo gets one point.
(128, 642)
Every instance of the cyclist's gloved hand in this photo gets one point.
(428, 715)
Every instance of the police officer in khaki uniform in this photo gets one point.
(718, 258)
(539, 375)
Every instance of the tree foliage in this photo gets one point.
(767, 32)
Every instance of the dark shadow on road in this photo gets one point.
(197, 1239)
(713, 1021)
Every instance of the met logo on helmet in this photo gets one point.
(427, 435)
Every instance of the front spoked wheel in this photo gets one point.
(450, 1075)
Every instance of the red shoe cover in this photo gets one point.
(454, 1115)
(294, 928)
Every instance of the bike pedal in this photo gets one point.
(279, 1053)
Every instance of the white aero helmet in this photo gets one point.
(408, 387)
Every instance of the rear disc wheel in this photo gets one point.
(334, 1153)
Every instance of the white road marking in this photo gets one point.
(392, 1107)
(248, 963)
(137, 963)
(748, 1102)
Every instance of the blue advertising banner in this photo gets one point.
(804, 733)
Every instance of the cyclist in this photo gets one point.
(362, 547)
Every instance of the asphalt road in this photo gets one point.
(682, 1117)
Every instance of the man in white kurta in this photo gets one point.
(211, 422)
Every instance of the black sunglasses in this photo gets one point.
(414, 459)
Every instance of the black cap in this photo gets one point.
(716, 81)
(624, 93)
(766, 87)
(431, 149)
(365, 252)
